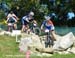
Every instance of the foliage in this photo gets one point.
(1, 15)
(23, 7)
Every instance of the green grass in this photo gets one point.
(9, 49)
(63, 56)
(8, 46)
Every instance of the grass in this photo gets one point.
(9, 49)
(8, 46)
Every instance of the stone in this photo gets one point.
(2, 32)
(64, 42)
(16, 32)
(73, 50)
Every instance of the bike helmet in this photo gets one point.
(47, 17)
(31, 13)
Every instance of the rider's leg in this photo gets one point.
(15, 26)
(8, 28)
(27, 28)
(23, 28)
(53, 35)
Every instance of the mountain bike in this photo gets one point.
(10, 27)
(48, 41)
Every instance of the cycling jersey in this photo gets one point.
(48, 25)
(11, 18)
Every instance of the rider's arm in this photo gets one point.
(27, 19)
(15, 16)
(9, 15)
(14, 19)
(42, 26)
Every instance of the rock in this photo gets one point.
(32, 47)
(62, 52)
(36, 41)
(2, 32)
(42, 39)
(66, 52)
(64, 42)
(24, 35)
(16, 32)
(33, 41)
(25, 42)
(48, 50)
(73, 50)
(8, 33)
(67, 41)
(46, 54)
(45, 50)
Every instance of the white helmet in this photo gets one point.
(47, 17)
(31, 13)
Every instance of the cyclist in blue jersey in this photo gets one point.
(48, 26)
(25, 21)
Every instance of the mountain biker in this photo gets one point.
(48, 24)
(26, 20)
(49, 27)
(11, 20)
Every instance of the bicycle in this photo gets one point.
(10, 27)
(48, 41)
(35, 29)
